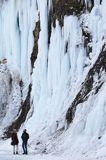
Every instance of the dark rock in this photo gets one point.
(22, 115)
(35, 48)
(87, 41)
(38, 143)
(87, 86)
(68, 7)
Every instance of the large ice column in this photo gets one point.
(39, 77)
(17, 22)
(65, 45)
(96, 28)
(55, 55)
(97, 2)
(90, 3)
(55, 69)
(60, 68)
(104, 19)
(43, 44)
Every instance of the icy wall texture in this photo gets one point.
(17, 22)
(62, 66)
(66, 53)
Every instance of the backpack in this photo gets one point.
(25, 136)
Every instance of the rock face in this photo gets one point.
(10, 95)
(77, 8)
(13, 111)
(5, 90)
(87, 86)
(24, 109)
(67, 7)
(35, 48)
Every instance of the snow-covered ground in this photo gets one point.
(6, 153)
(93, 153)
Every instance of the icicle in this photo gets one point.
(97, 2)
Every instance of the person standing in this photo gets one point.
(25, 137)
(14, 141)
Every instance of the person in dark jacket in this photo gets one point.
(14, 141)
(25, 137)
